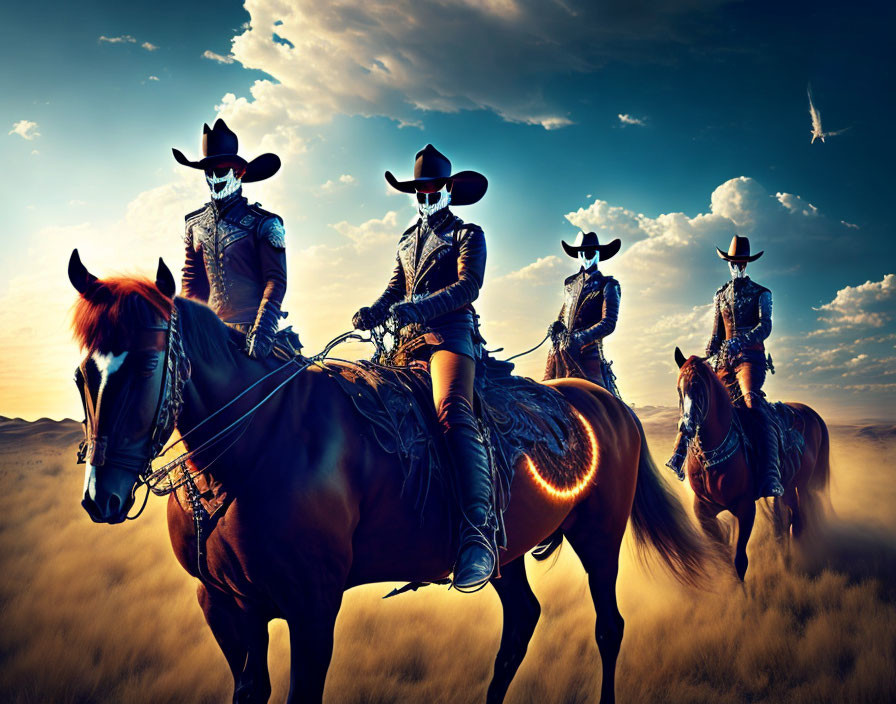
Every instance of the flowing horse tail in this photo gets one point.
(661, 522)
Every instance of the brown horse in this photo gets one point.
(717, 466)
(316, 505)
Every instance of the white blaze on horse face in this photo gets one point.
(687, 406)
(230, 184)
(107, 364)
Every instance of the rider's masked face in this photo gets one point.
(738, 270)
(429, 203)
(224, 180)
(589, 256)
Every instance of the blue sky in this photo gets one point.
(528, 93)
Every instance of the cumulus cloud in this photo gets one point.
(26, 129)
(212, 56)
(626, 119)
(871, 305)
(331, 185)
(149, 46)
(401, 59)
(153, 78)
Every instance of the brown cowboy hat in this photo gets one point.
(219, 147)
(588, 240)
(739, 251)
(432, 172)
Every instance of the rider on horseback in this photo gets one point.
(439, 271)
(589, 313)
(743, 319)
(236, 256)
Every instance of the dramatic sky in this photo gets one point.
(671, 127)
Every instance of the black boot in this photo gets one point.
(768, 437)
(476, 558)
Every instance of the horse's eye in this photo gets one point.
(149, 365)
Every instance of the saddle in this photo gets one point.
(791, 441)
(516, 416)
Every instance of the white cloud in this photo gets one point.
(344, 180)
(626, 119)
(153, 78)
(871, 305)
(211, 55)
(149, 46)
(121, 39)
(26, 129)
(402, 59)
(850, 225)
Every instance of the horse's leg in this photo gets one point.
(521, 612)
(243, 637)
(311, 646)
(746, 514)
(598, 549)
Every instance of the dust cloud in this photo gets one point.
(105, 614)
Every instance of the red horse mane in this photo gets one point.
(106, 315)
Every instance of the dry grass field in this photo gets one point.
(94, 613)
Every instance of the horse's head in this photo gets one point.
(126, 326)
(696, 382)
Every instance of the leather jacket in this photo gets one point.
(440, 266)
(590, 309)
(743, 313)
(235, 259)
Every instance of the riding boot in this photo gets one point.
(768, 437)
(477, 555)
(679, 455)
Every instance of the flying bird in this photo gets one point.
(817, 131)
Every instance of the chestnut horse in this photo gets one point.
(316, 504)
(718, 471)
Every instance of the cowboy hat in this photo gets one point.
(432, 172)
(219, 147)
(739, 251)
(588, 240)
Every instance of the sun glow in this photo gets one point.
(573, 491)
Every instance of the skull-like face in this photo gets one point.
(430, 203)
(588, 257)
(738, 269)
(222, 182)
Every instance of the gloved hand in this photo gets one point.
(259, 343)
(735, 347)
(555, 330)
(260, 339)
(406, 313)
(367, 318)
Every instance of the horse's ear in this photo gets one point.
(81, 279)
(165, 279)
(679, 358)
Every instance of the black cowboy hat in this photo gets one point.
(432, 172)
(219, 146)
(588, 240)
(739, 251)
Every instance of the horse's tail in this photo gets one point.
(816, 504)
(660, 521)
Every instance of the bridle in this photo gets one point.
(176, 372)
(729, 445)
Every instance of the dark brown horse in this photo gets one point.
(717, 467)
(316, 505)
